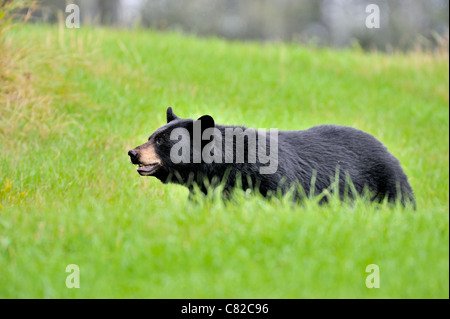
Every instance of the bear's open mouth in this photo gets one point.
(147, 170)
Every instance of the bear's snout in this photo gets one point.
(133, 156)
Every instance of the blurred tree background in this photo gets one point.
(404, 25)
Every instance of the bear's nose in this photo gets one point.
(132, 154)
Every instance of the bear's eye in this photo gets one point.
(158, 140)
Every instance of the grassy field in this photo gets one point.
(73, 102)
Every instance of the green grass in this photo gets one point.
(73, 102)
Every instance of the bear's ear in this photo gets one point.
(170, 115)
(206, 121)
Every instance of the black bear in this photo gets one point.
(326, 157)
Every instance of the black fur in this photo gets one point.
(310, 158)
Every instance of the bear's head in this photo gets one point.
(170, 152)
